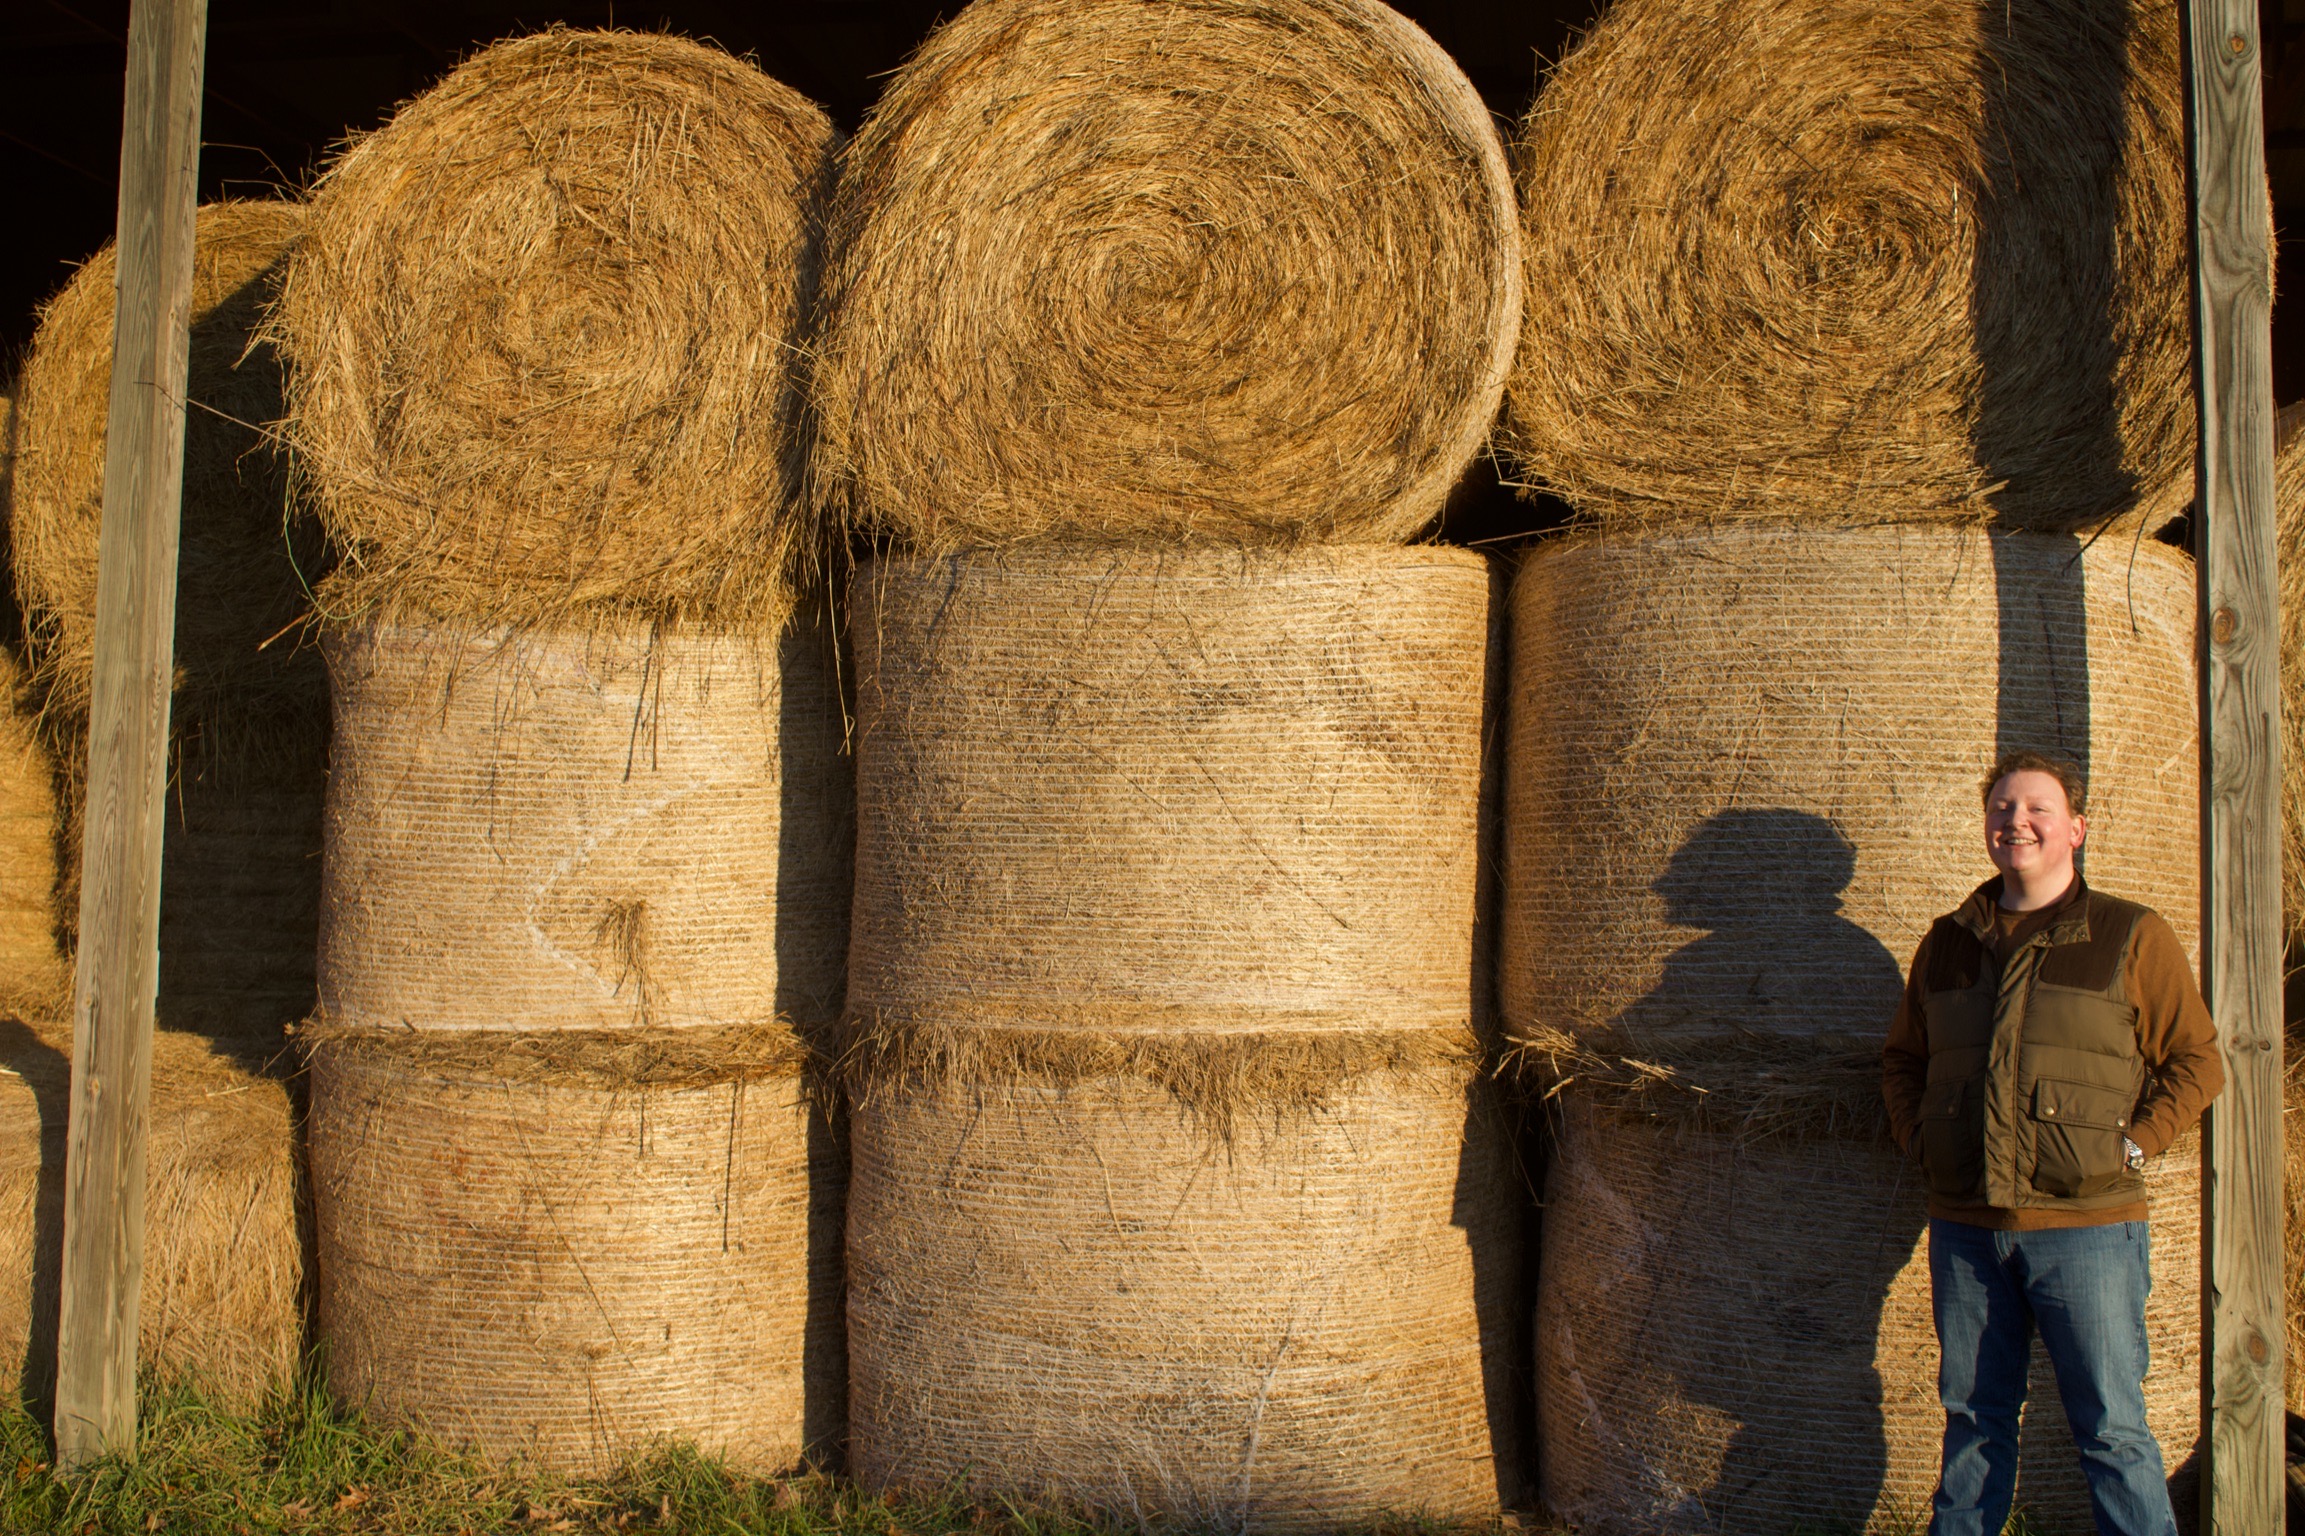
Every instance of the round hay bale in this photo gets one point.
(542, 336)
(2289, 550)
(1796, 258)
(1203, 790)
(246, 552)
(1201, 270)
(224, 1261)
(33, 973)
(1698, 1372)
(1783, 732)
(562, 1249)
(1065, 1288)
(603, 829)
(248, 722)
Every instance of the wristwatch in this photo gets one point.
(2132, 1155)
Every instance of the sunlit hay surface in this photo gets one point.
(1855, 263)
(1234, 270)
(541, 336)
(564, 1249)
(33, 972)
(245, 553)
(224, 1264)
(2289, 541)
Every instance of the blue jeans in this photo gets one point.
(2084, 1289)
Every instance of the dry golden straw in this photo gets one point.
(249, 717)
(1856, 263)
(1063, 1288)
(542, 335)
(246, 551)
(1784, 730)
(33, 973)
(566, 1249)
(1170, 790)
(2289, 538)
(224, 1261)
(1697, 1372)
(613, 826)
(1236, 270)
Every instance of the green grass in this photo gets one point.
(303, 1467)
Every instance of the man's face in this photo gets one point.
(2030, 828)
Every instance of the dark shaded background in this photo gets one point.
(288, 79)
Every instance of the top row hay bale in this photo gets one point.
(542, 335)
(244, 555)
(1219, 270)
(1858, 263)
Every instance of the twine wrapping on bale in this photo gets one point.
(223, 1301)
(1235, 270)
(1064, 1289)
(542, 336)
(565, 1249)
(552, 829)
(1860, 263)
(245, 551)
(33, 975)
(1205, 791)
(1785, 733)
(1698, 1372)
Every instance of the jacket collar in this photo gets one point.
(2069, 926)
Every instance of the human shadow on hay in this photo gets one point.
(1793, 1368)
(1776, 954)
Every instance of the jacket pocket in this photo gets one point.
(2077, 1131)
(1953, 1140)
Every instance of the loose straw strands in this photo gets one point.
(1856, 264)
(1236, 270)
(542, 336)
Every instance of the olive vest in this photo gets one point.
(2034, 1074)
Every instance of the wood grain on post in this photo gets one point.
(118, 972)
(2242, 1485)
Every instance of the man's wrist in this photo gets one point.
(2132, 1155)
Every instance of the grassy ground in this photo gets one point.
(302, 1467)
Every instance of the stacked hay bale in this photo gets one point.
(249, 715)
(1834, 364)
(585, 895)
(1179, 1188)
(223, 1300)
(2289, 547)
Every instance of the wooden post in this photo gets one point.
(2242, 1482)
(119, 964)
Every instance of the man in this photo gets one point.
(2050, 1041)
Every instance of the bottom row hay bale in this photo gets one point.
(1735, 1335)
(222, 1303)
(565, 1248)
(1246, 1281)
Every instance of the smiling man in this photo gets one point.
(2050, 1042)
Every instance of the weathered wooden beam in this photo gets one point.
(119, 963)
(2242, 1485)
